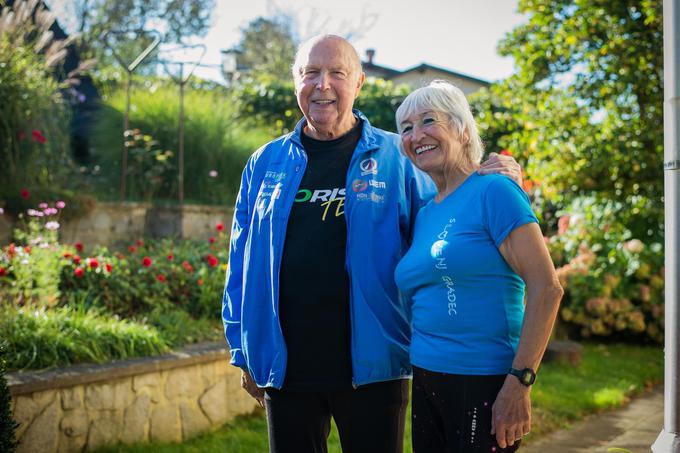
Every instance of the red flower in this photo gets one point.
(132, 249)
(38, 137)
(67, 255)
(146, 261)
(212, 261)
(27, 249)
(108, 267)
(187, 267)
(76, 259)
(505, 152)
(200, 282)
(139, 242)
(171, 257)
(11, 250)
(79, 272)
(25, 194)
(78, 246)
(527, 185)
(3, 271)
(211, 239)
(219, 226)
(94, 264)
(161, 278)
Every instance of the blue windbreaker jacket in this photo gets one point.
(383, 193)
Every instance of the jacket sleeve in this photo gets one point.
(233, 290)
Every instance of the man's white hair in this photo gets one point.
(306, 47)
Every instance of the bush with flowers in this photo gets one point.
(613, 281)
(137, 301)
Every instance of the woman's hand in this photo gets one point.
(511, 412)
(251, 387)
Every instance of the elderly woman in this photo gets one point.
(476, 247)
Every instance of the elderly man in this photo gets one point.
(311, 311)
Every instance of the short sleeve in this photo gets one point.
(506, 208)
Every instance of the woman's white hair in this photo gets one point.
(443, 97)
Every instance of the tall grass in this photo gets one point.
(215, 139)
(45, 338)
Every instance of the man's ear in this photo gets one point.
(360, 83)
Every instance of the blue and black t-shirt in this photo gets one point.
(314, 286)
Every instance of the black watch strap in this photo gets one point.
(526, 376)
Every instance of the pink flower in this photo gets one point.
(60, 204)
(43, 205)
(52, 225)
(563, 224)
(212, 173)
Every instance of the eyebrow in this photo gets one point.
(406, 121)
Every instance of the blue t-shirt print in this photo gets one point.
(467, 303)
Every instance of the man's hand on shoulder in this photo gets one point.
(251, 387)
(505, 165)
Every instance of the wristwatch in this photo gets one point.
(526, 377)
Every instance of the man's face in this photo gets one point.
(326, 88)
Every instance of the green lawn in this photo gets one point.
(607, 378)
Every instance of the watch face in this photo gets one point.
(528, 377)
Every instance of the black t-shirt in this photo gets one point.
(314, 286)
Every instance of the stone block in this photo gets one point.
(74, 423)
(104, 430)
(43, 432)
(72, 398)
(165, 424)
(136, 418)
(71, 444)
(183, 383)
(123, 394)
(146, 380)
(99, 396)
(214, 403)
(25, 410)
(193, 420)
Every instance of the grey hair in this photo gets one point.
(444, 97)
(306, 47)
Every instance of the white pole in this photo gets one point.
(668, 440)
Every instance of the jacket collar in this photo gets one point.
(367, 142)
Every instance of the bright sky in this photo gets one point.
(460, 35)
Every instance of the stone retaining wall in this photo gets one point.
(112, 223)
(166, 398)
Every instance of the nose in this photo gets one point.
(322, 82)
(418, 132)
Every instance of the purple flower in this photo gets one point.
(43, 205)
(60, 204)
(51, 211)
(52, 225)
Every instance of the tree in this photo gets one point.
(176, 19)
(586, 99)
(268, 47)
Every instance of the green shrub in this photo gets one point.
(8, 441)
(216, 144)
(613, 280)
(178, 328)
(39, 338)
(34, 142)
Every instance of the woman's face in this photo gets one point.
(430, 141)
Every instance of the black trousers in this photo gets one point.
(369, 418)
(452, 413)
